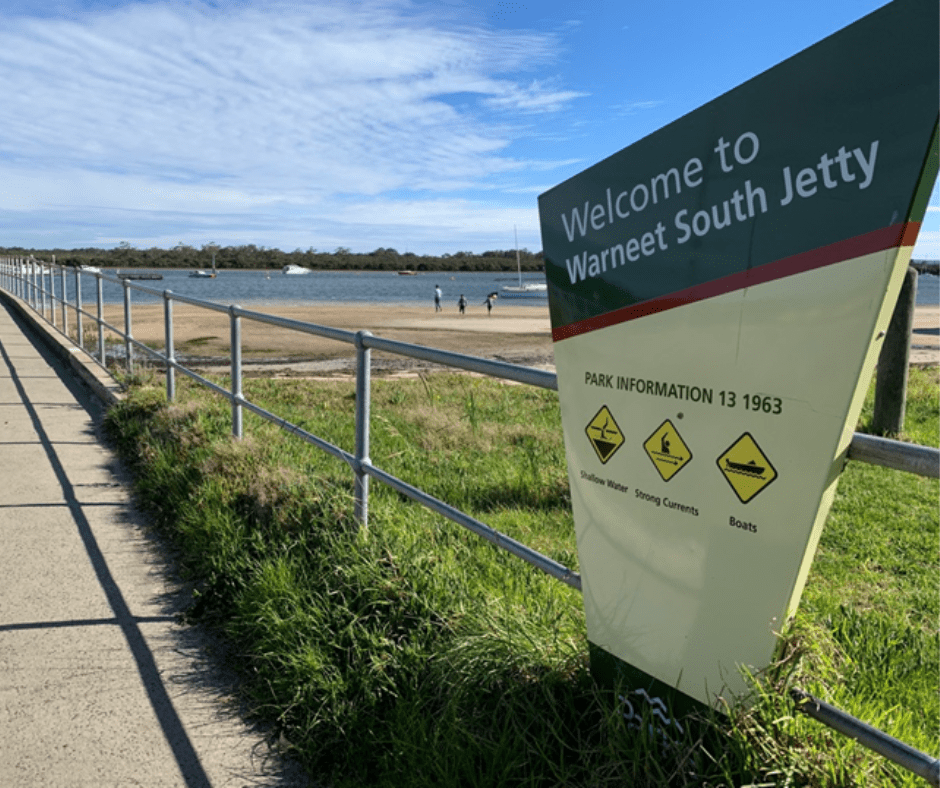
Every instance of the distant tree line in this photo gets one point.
(258, 257)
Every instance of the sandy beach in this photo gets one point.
(519, 334)
(925, 339)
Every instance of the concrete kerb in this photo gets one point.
(93, 374)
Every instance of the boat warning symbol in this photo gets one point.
(604, 434)
(667, 450)
(746, 467)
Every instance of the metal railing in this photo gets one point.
(887, 746)
(26, 279)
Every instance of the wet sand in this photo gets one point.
(520, 334)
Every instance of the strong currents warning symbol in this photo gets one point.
(746, 468)
(604, 434)
(667, 450)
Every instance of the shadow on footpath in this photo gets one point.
(207, 673)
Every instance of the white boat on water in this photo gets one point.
(200, 274)
(523, 289)
(89, 269)
(292, 269)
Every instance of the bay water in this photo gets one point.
(261, 288)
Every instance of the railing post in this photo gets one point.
(42, 288)
(78, 308)
(128, 346)
(363, 407)
(236, 342)
(65, 298)
(101, 355)
(52, 293)
(168, 341)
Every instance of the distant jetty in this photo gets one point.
(140, 276)
(926, 266)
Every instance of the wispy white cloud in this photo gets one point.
(534, 97)
(635, 107)
(187, 108)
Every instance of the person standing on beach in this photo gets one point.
(489, 303)
(437, 298)
(462, 304)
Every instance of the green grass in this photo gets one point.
(414, 653)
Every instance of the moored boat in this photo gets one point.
(523, 289)
(292, 269)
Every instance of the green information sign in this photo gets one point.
(718, 294)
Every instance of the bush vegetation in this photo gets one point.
(253, 257)
(413, 653)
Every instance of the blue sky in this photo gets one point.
(424, 126)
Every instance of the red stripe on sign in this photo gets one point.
(897, 235)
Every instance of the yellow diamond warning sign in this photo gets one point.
(667, 450)
(746, 468)
(604, 434)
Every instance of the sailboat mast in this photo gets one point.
(515, 233)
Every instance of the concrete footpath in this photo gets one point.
(100, 685)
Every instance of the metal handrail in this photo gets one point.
(897, 455)
(363, 341)
(20, 278)
(887, 746)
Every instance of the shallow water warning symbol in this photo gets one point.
(667, 450)
(746, 467)
(604, 434)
